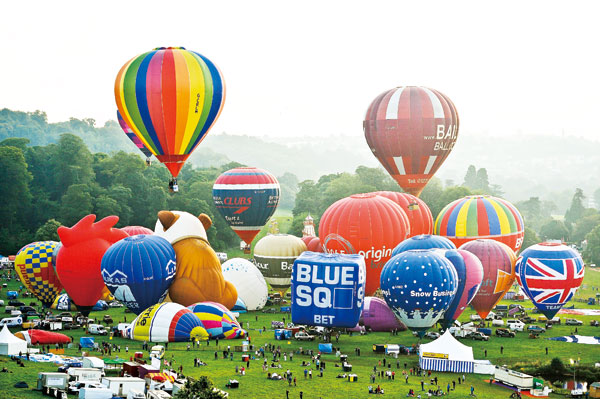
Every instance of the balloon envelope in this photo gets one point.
(313, 244)
(34, 265)
(63, 302)
(418, 286)
(218, 320)
(41, 337)
(377, 316)
(246, 198)
(419, 215)
(135, 230)
(411, 130)
(364, 224)
(138, 270)
(274, 256)
(498, 262)
(131, 135)
(425, 241)
(481, 216)
(167, 322)
(249, 282)
(550, 274)
(170, 97)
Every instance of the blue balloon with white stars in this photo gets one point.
(423, 241)
(419, 286)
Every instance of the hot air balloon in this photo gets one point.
(417, 211)
(170, 97)
(135, 230)
(34, 265)
(550, 274)
(411, 130)
(498, 262)
(167, 322)
(274, 256)
(246, 198)
(138, 270)
(364, 224)
(418, 286)
(377, 316)
(41, 337)
(248, 281)
(78, 260)
(63, 302)
(134, 139)
(470, 275)
(425, 241)
(481, 216)
(218, 320)
(313, 244)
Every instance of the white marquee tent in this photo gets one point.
(446, 354)
(9, 344)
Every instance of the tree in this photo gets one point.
(18, 142)
(584, 226)
(73, 163)
(48, 231)
(202, 388)
(530, 238)
(471, 177)
(575, 212)
(535, 212)
(75, 204)
(14, 186)
(482, 182)
(554, 230)
(592, 249)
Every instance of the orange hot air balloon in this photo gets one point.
(365, 224)
(411, 131)
(498, 262)
(419, 214)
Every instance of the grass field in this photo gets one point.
(254, 384)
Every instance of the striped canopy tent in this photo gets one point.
(160, 377)
(446, 354)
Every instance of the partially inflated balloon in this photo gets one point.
(170, 97)
(498, 262)
(377, 316)
(481, 216)
(249, 282)
(218, 320)
(550, 274)
(246, 198)
(411, 130)
(135, 230)
(167, 322)
(418, 213)
(41, 337)
(364, 224)
(425, 241)
(131, 135)
(63, 302)
(419, 286)
(33, 264)
(274, 256)
(138, 270)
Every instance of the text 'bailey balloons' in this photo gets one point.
(249, 282)
(377, 316)
(364, 224)
(170, 97)
(419, 215)
(138, 270)
(481, 216)
(135, 230)
(134, 139)
(411, 131)
(79, 259)
(246, 198)
(218, 321)
(550, 274)
(274, 256)
(167, 322)
(34, 265)
(424, 241)
(498, 262)
(328, 289)
(418, 286)
(470, 275)
(313, 244)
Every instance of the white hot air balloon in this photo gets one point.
(248, 280)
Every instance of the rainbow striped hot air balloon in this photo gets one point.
(218, 320)
(481, 216)
(170, 97)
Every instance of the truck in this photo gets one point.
(461, 332)
(95, 393)
(120, 386)
(93, 362)
(12, 321)
(84, 374)
(53, 380)
(97, 329)
(513, 378)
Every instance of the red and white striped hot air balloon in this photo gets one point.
(411, 130)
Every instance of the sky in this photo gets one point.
(311, 68)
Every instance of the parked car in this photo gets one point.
(505, 332)
(573, 322)
(70, 326)
(497, 323)
(474, 317)
(26, 309)
(527, 319)
(535, 329)
(107, 319)
(478, 336)
(15, 303)
(304, 336)
(490, 316)
(432, 334)
(115, 304)
(594, 323)
(66, 317)
(75, 386)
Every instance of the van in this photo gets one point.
(12, 321)
(474, 317)
(135, 394)
(497, 323)
(155, 394)
(515, 325)
(157, 351)
(97, 329)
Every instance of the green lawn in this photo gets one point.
(255, 385)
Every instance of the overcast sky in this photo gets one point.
(313, 67)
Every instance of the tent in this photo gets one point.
(446, 354)
(9, 344)
(325, 348)
(87, 342)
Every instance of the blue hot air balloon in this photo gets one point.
(138, 270)
(423, 241)
(550, 274)
(419, 285)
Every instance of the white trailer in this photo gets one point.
(53, 380)
(95, 393)
(120, 386)
(85, 374)
(513, 378)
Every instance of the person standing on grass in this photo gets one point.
(472, 391)
(501, 349)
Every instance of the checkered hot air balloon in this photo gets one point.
(34, 265)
